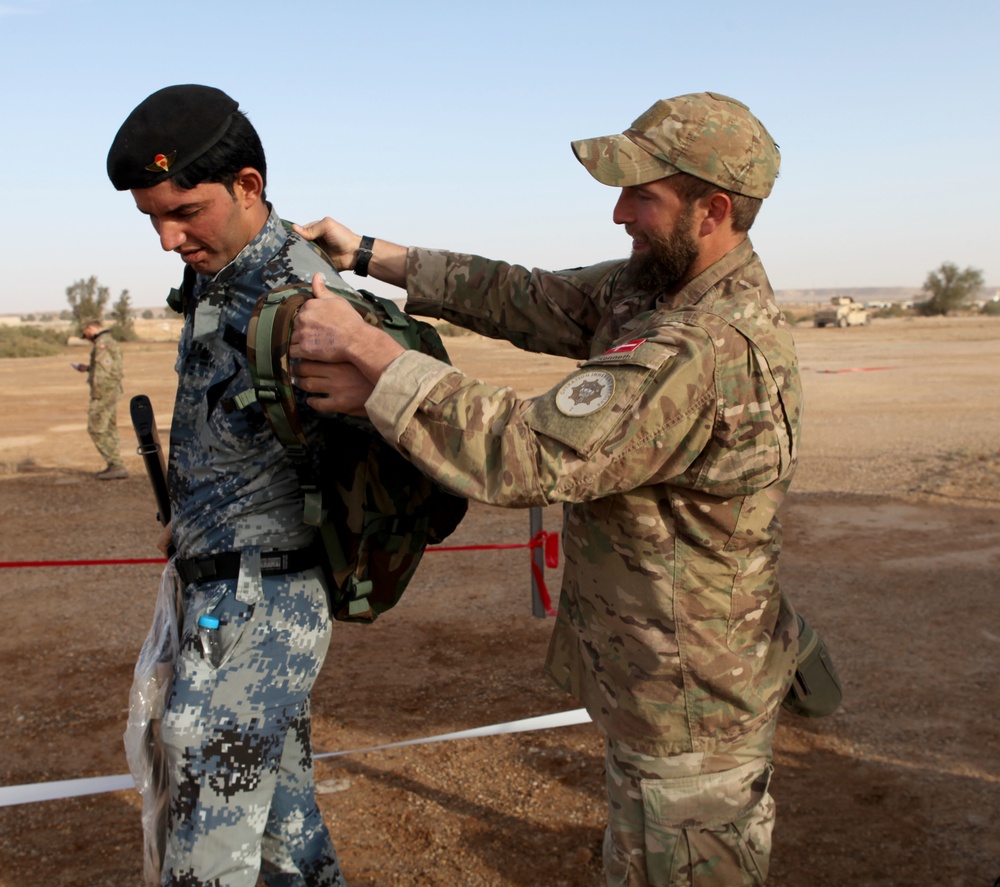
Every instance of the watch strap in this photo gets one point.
(364, 256)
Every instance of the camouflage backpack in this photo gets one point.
(375, 512)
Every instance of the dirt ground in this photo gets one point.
(892, 549)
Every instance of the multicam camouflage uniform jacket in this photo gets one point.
(105, 372)
(232, 484)
(672, 445)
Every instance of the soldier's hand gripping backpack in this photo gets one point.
(374, 510)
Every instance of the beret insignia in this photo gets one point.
(162, 162)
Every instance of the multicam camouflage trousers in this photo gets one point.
(236, 732)
(102, 426)
(689, 820)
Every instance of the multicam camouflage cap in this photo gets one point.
(706, 135)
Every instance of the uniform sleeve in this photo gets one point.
(638, 414)
(555, 312)
(106, 369)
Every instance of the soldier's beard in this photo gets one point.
(666, 264)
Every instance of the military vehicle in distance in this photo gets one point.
(842, 311)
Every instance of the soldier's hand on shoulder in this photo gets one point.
(336, 240)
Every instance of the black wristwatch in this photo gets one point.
(364, 256)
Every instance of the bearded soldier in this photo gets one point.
(672, 446)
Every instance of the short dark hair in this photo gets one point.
(690, 188)
(239, 148)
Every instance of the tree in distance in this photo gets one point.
(89, 300)
(123, 328)
(949, 289)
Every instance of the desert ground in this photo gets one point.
(892, 550)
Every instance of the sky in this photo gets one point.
(447, 124)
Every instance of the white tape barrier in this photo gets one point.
(12, 795)
(543, 722)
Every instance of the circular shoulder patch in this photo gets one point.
(585, 393)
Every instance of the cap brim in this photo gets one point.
(618, 161)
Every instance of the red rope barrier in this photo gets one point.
(543, 591)
(89, 563)
(540, 539)
(549, 542)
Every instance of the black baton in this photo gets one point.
(149, 448)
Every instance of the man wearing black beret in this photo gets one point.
(256, 623)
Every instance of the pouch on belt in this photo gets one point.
(815, 690)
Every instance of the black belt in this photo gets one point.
(226, 564)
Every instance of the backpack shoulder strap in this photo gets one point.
(268, 337)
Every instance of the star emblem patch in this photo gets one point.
(585, 393)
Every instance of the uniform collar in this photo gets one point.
(256, 253)
(693, 291)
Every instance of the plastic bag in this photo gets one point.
(147, 701)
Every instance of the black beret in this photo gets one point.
(170, 129)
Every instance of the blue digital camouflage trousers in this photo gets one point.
(236, 734)
(689, 820)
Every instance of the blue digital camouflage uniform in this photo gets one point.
(672, 446)
(237, 730)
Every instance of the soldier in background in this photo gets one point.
(104, 376)
(671, 446)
